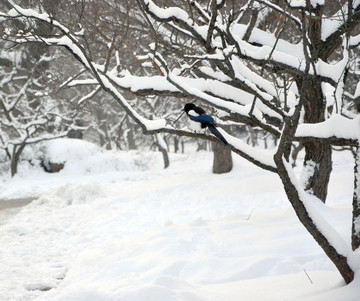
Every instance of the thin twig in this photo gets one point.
(308, 277)
(250, 214)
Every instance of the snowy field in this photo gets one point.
(116, 226)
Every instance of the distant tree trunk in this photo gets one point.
(108, 145)
(295, 153)
(101, 140)
(201, 145)
(355, 229)
(165, 157)
(76, 133)
(18, 149)
(252, 136)
(14, 164)
(176, 144)
(222, 158)
(161, 144)
(131, 140)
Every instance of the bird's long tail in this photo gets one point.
(215, 131)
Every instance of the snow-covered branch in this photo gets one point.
(283, 72)
(339, 129)
(108, 80)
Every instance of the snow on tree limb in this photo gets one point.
(336, 126)
(291, 84)
(175, 83)
(70, 42)
(107, 81)
(284, 59)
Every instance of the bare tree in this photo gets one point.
(28, 112)
(266, 65)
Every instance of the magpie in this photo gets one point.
(200, 120)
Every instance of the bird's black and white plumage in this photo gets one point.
(200, 120)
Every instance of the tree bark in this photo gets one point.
(318, 158)
(160, 143)
(131, 138)
(355, 229)
(14, 164)
(317, 161)
(165, 156)
(18, 149)
(222, 158)
(176, 144)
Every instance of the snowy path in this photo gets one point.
(8, 208)
(181, 234)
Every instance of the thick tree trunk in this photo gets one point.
(222, 158)
(318, 165)
(317, 162)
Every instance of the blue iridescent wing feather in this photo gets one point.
(203, 119)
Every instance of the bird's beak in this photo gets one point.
(180, 116)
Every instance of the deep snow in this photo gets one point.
(116, 226)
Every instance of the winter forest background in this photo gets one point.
(280, 77)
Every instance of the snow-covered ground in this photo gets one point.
(116, 226)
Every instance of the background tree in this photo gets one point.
(265, 65)
(29, 112)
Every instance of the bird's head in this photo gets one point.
(188, 107)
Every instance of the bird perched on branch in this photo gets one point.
(200, 120)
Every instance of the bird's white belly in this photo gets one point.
(195, 126)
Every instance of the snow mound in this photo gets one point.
(62, 150)
(82, 157)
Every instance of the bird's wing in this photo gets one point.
(202, 118)
(200, 111)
